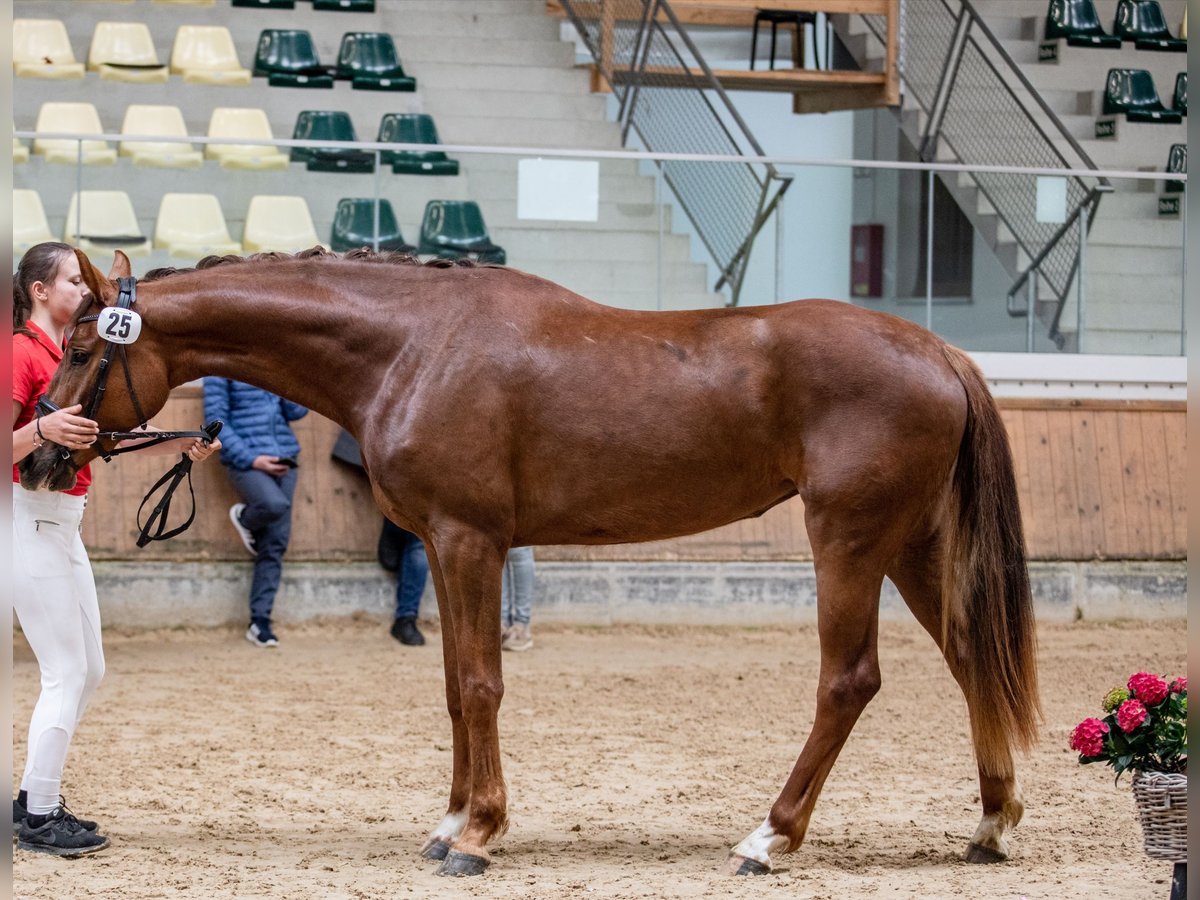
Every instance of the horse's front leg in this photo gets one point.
(442, 838)
(469, 565)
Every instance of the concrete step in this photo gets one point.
(518, 77)
(471, 51)
(619, 217)
(593, 278)
(493, 186)
(1149, 312)
(1110, 259)
(534, 133)
(514, 104)
(1139, 343)
(1136, 232)
(457, 20)
(578, 244)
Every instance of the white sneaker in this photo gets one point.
(517, 638)
(235, 516)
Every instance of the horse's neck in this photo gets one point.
(279, 341)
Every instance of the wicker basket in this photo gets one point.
(1162, 807)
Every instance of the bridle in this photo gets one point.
(126, 297)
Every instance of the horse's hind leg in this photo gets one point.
(917, 575)
(848, 584)
(446, 833)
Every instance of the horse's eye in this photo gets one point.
(79, 357)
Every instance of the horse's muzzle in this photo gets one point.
(45, 467)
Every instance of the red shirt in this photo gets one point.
(34, 362)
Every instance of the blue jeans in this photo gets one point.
(268, 515)
(411, 576)
(516, 587)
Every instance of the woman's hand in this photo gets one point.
(267, 464)
(200, 451)
(68, 428)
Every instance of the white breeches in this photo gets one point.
(54, 596)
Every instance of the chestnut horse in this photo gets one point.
(495, 408)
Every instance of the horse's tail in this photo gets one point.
(988, 620)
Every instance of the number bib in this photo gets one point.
(119, 326)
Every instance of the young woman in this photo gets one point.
(54, 592)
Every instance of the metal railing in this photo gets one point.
(669, 96)
(980, 106)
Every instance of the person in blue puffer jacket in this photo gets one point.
(259, 452)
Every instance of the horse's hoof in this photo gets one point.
(435, 848)
(743, 865)
(977, 853)
(459, 864)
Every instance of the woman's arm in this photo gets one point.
(195, 448)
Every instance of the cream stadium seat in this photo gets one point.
(158, 120)
(77, 118)
(29, 221)
(247, 123)
(124, 51)
(278, 223)
(192, 226)
(204, 54)
(20, 152)
(41, 49)
(104, 221)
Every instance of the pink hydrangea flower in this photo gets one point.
(1130, 715)
(1088, 737)
(1150, 689)
(1179, 685)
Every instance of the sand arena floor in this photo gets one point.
(635, 757)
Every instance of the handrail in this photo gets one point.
(728, 206)
(1011, 204)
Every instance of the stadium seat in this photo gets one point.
(1079, 23)
(20, 152)
(192, 226)
(1179, 101)
(367, 6)
(265, 4)
(107, 222)
(1176, 162)
(413, 128)
(204, 54)
(278, 223)
(1132, 92)
(29, 220)
(354, 226)
(369, 61)
(329, 125)
(124, 51)
(1142, 22)
(453, 229)
(248, 123)
(158, 120)
(79, 118)
(288, 58)
(41, 49)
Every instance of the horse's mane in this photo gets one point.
(361, 254)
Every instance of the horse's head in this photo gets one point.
(96, 372)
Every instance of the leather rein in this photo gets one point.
(126, 297)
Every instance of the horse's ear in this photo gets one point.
(121, 267)
(100, 287)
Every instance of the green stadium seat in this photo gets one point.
(1142, 22)
(367, 6)
(369, 61)
(354, 226)
(453, 229)
(1176, 162)
(413, 128)
(329, 125)
(265, 4)
(1179, 102)
(1078, 22)
(288, 58)
(1132, 92)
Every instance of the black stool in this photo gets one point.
(777, 17)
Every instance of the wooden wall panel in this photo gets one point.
(1097, 480)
